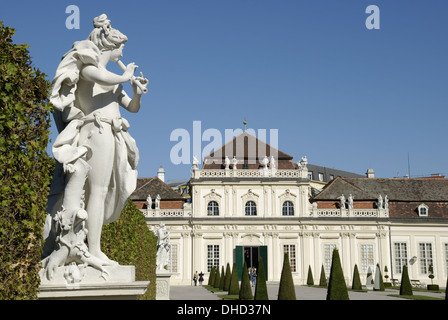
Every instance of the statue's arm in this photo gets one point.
(106, 78)
(132, 105)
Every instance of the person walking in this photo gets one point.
(195, 278)
(201, 278)
(254, 276)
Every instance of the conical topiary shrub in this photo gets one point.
(217, 278)
(211, 278)
(234, 286)
(405, 287)
(310, 279)
(356, 283)
(245, 290)
(286, 289)
(261, 290)
(337, 289)
(227, 278)
(323, 278)
(223, 278)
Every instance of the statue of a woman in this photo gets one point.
(96, 156)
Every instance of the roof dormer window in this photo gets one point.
(422, 210)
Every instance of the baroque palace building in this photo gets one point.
(251, 201)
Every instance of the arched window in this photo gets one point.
(251, 208)
(213, 208)
(288, 208)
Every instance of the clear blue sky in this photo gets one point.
(346, 97)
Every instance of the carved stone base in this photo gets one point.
(163, 285)
(117, 283)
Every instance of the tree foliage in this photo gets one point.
(129, 242)
(405, 287)
(356, 283)
(25, 168)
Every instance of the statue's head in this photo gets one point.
(105, 37)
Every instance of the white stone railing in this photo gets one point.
(166, 213)
(350, 213)
(250, 173)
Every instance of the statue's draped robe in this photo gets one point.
(67, 147)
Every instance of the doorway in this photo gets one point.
(251, 255)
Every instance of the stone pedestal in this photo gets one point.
(118, 282)
(163, 285)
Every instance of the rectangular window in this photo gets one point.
(367, 257)
(212, 256)
(310, 175)
(328, 255)
(425, 252)
(400, 256)
(321, 177)
(290, 249)
(331, 177)
(172, 262)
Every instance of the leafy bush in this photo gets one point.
(25, 168)
(129, 242)
(337, 289)
(286, 289)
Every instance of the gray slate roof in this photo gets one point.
(397, 189)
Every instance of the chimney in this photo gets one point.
(161, 174)
(370, 173)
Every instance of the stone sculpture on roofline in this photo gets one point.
(96, 156)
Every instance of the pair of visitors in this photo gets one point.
(199, 277)
(253, 276)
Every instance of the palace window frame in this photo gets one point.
(288, 208)
(213, 208)
(328, 249)
(290, 249)
(400, 256)
(250, 209)
(426, 257)
(213, 253)
(367, 256)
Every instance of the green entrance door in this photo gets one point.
(251, 256)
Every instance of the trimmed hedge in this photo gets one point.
(227, 278)
(337, 289)
(323, 278)
(261, 290)
(25, 168)
(405, 287)
(234, 286)
(245, 290)
(286, 289)
(310, 279)
(129, 242)
(356, 283)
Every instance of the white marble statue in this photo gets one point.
(342, 201)
(163, 246)
(350, 201)
(96, 156)
(386, 202)
(227, 162)
(149, 201)
(380, 202)
(158, 198)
